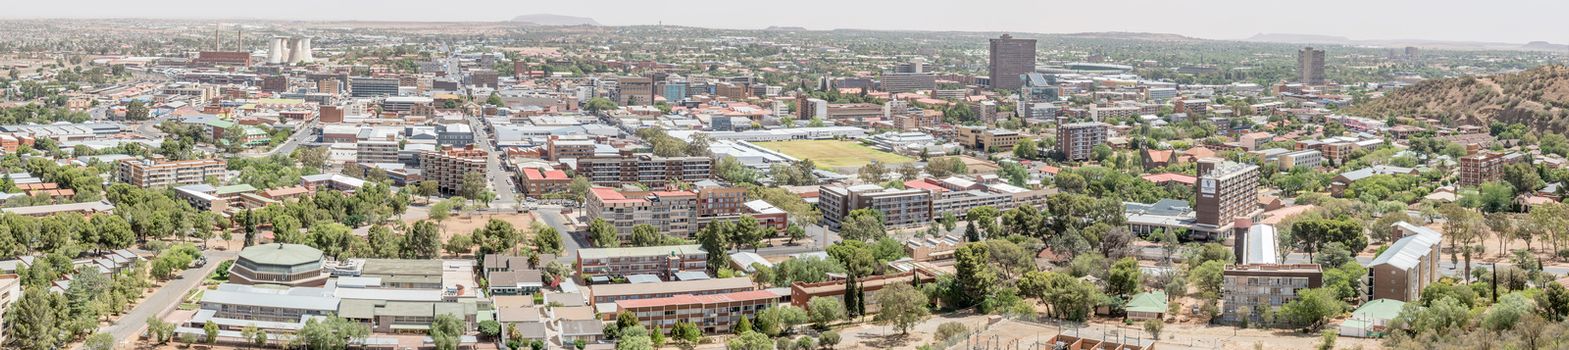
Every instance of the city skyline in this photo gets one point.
(1235, 19)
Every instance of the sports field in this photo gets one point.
(833, 154)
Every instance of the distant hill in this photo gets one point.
(1289, 38)
(1133, 36)
(546, 19)
(1299, 38)
(1538, 98)
(1544, 46)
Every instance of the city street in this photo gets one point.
(295, 139)
(506, 194)
(130, 325)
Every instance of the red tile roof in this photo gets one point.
(922, 184)
(1168, 177)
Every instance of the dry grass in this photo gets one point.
(833, 154)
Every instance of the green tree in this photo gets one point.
(828, 339)
(686, 333)
(1509, 310)
(742, 327)
(603, 234)
(333, 333)
(445, 332)
(459, 244)
(1312, 308)
(599, 105)
(473, 186)
(547, 240)
(1025, 149)
(750, 341)
(863, 225)
(1124, 278)
(422, 242)
(825, 311)
(36, 320)
(780, 320)
(901, 306)
(210, 331)
(974, 271)
(1153, 327)
(795, 232)
(99, 341)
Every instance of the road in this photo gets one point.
(129, 326)
(551, 215)
(298, 137)
(500, 178)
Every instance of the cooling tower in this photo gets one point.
(277, 51)
(296, 51)
(306, 55)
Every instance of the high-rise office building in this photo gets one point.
(1310, 66)
(1010, 60)
(1226, 191)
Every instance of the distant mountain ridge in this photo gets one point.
(1292, 38)
(546, 19)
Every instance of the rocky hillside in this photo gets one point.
(1538, 97)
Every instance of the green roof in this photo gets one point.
(241, 188)
(281, 254)
(358, 309)
(1379, 309)
(1152, 302)
(219, 123)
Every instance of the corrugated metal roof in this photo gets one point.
(1261, 245)
(1408, 251)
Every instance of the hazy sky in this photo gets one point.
(1516, 21)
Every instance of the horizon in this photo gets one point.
(1398, 20)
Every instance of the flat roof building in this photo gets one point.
(662, 261)
(1010, 59)
(1253, 288)
(1077, 141)
(159, 173)
(714, 313)
(1226, 192)
(449, 165)
(907, 207)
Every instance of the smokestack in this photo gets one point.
(239, 39)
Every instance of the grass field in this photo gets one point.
(833, 154)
